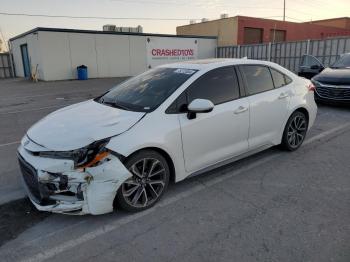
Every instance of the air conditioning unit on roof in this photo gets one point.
(109, 28)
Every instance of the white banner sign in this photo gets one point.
(165, 50)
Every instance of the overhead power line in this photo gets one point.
(99, 17)
(118, 18)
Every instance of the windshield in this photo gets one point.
(342, 62)
(146, 92)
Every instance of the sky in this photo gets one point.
(297, 10)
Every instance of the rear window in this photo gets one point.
(257, 78)
(279, 79)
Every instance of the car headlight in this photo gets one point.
(83, 157)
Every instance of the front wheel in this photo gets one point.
(150, 178)
(295, 131)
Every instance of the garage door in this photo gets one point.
(253, 35)
(277, 36)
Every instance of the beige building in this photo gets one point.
(225, 29)
(1, 46)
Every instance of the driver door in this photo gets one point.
(310, 66)
(222, 133)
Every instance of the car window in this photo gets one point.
(279, 79)
(342, 62)
(310, 61)
(257, 78)
(288, 80)
(219, 86)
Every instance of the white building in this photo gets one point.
(55, 53)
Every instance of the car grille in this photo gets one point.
(30, 178)
(333, 92)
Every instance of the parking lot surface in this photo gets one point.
(22, 103)
(274, 206)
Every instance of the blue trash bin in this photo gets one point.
(82, 72)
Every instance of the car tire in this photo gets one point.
(151, 174)
(295, 131)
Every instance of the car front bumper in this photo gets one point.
(55, 185)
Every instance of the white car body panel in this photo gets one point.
(209, 138)
(268, 111)
(232, 130)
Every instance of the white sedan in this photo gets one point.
(122, 148)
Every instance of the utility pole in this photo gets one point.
(284, 10)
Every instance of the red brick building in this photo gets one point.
(240, 30)
(341, 22)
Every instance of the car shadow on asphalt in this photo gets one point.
(16, 217)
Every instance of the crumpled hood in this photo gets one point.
(81, 124)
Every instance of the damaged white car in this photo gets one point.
(122, 148)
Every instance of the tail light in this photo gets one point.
(311, 87)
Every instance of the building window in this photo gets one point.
(253, 35)
(277, 35)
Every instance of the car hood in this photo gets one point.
(81, 124)
(332, 76)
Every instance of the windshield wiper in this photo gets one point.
(115, 105)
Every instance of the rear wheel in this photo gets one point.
(295, 131)
(150, 178)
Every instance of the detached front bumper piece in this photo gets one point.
(55, 185)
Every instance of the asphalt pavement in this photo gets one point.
(273, 206)
(22, 103)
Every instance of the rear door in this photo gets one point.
(268, 93)
(218, 135)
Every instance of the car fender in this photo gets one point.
(166, 136)
(102, 189)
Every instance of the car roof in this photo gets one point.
(205, 64)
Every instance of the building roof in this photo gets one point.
(266, 19)
(330, 19)
(64, 30)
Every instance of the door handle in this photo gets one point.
(283, 95)
(240, 110)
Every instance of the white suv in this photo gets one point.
(122, 148)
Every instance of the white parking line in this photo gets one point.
(326, 133)
(130, 218)
(34, 109)
(10, 143)
(49, 253)
(53, 94)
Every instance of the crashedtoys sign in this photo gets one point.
(167, 50)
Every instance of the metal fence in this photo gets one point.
(5, 66)
(288, 54)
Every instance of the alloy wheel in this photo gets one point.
(146, 184)
(296, 131)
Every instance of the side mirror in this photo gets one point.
(199, 106)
